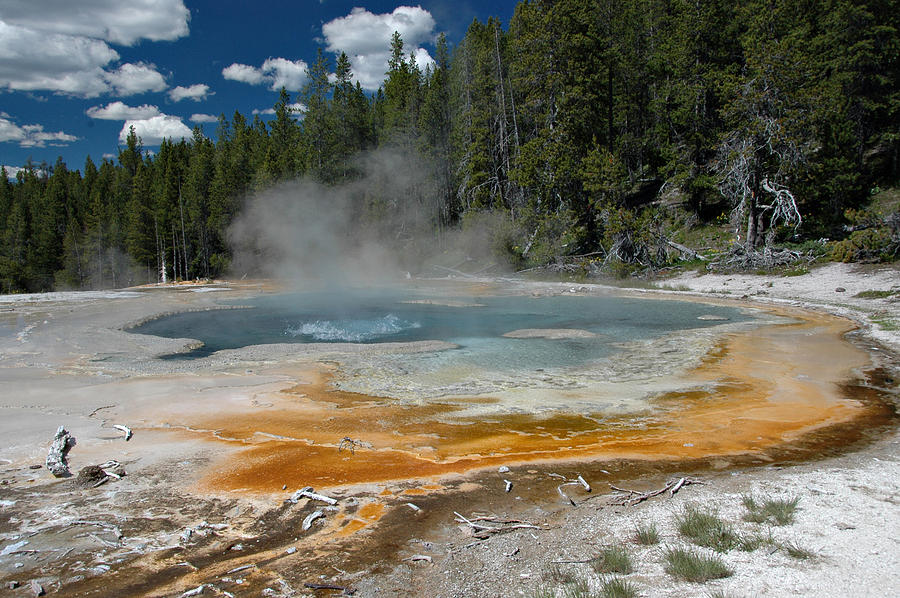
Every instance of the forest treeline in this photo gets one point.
(570, 124)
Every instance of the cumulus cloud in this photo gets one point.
(122, 111)
(31, 135)
(198, 93)
(276, 72)
(243, 73)
(203, 118)
(109, 20)
(264, 112)
(156, 128)
(130, 79)
(366, 38)
(33, 60)
(63, 46)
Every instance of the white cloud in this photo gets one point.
(366, 38)
(12, 171)
(198, 92)
(32, 135)
(33, 60)
(156, 128)
(264, 112)
(122, 111)
(243, 73)
(110, 20)
(276, 72)
(133, 78)
(203, 118)
(289, 74)
(63, 46)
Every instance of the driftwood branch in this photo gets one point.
(503, 525)
(125, 430)
(308, 493)
(578, 481)
(308, 521)
(633, 497)
(56, 461)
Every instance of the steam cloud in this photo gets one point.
(368, 231)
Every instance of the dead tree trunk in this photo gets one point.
(56, 458)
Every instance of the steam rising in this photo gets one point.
(372, 230)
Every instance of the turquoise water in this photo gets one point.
(403, 315)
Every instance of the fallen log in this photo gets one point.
(56, 461)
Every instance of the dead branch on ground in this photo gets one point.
(503, 525)
(627, 497)
(579, 481)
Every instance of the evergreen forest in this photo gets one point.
(583, 128)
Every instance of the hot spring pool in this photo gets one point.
(505, 332)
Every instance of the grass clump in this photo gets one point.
(646, 534)
(689, 565)
(706, 528)
(750, 542)
(886, 324)
(579, 588)
(777, 511)
(556, 574)
(874, 294)
(795, 551)
(616, 587)
(614, 559)
(718, 594)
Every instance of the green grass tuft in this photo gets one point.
(777, 511)
(750, 542)
(874, 294)
(614, 559)
(646, 534)
(616, 587)
(795, 551)
(706, 528)
(690, 565)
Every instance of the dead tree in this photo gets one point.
(758, 160)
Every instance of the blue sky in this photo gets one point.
(74, 74)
